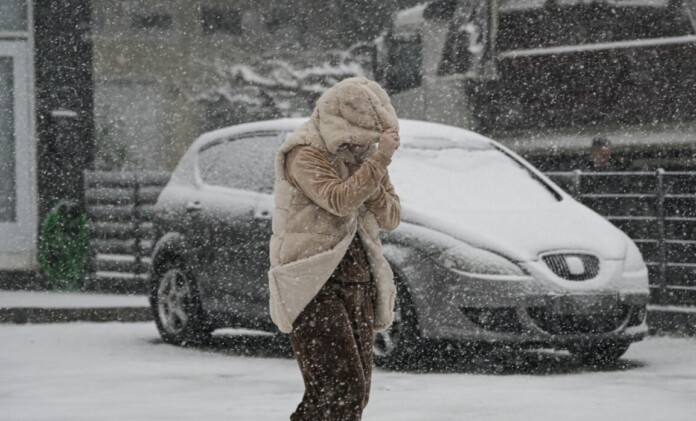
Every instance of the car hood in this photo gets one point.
(523, 234)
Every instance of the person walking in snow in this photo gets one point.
(330, 286)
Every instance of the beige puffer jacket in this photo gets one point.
(308, 240)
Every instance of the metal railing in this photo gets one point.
(658, 211)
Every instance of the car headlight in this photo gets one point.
(480, 263)
(634, 260)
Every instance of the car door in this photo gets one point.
(236, 181)
(213, 214)
(258, 259)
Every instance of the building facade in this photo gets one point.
(167, 71)
(545, 78)
(45, 121)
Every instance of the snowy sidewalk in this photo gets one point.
(123, 371)
(52, 307)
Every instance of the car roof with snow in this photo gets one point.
(415, 133)
(411, 128)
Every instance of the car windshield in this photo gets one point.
(434, 175)
(243, 162)
(431, 174)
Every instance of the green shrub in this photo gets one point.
(64, 246)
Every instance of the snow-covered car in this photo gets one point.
(489, 250)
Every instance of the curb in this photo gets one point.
(23, 315)
(660, 320)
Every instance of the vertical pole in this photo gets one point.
(576, 184)
(136, 223)
(490, 69)
(661, 244)
(90, 272)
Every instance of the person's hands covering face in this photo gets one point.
(389, 142)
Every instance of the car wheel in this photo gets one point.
(398, 347)
(603, 352)
(176, 306)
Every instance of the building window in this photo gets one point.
(151, 21)
(278, 17)
(13, 15)
(404, 63)
(225, 21)
(8, 192)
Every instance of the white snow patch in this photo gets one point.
(410, 16)
(461, 180)
(115, 371)
(672, 309)
(123, 275)
(48, 299)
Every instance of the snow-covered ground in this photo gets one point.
(116, 371)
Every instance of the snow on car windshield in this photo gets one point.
(429, 172)
(244, 162)
(440, 175)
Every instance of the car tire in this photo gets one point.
(176, 306)
(599, 353)
(399, 347)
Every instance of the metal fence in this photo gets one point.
(120, 209)
(658, 211)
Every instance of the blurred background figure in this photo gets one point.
(602, 159)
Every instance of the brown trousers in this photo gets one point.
(332, 340)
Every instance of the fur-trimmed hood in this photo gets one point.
(356, 110)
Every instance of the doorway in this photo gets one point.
(17, 160)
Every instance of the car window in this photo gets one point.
(435, 175)
(242, 162)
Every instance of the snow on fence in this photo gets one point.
(120, 210)
(658, 211)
